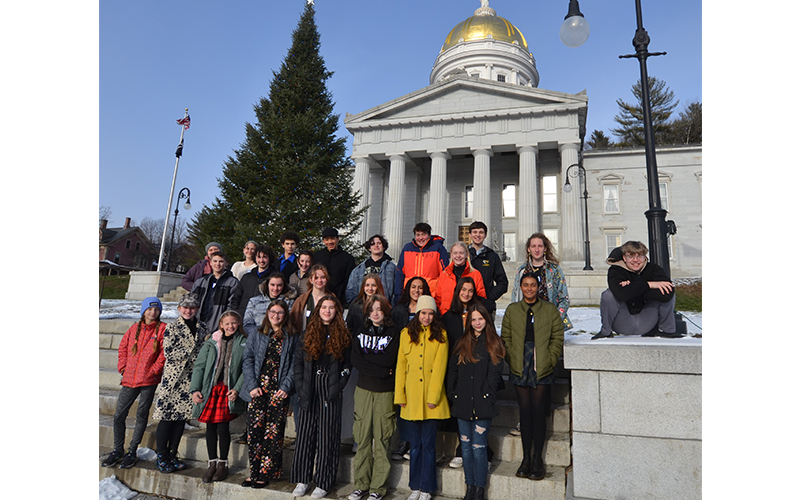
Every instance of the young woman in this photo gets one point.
(273, 288)
(216, 383)
(370, 285)
(534, 334)
(459, 267)
(454, 321)
(141, 362)
(474, 374)
(419, 390)
(268, 381)
(182, 341)
(299, 278)
(374, 354)
(241, 267)
(402, 314)
(306, 303)
(542, 261)
(321, 371)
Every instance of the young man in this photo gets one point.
(424, 256)
(488, 263)
(640, 299)
(287, 262)
(200, 269)
(378, 262)
(216, 291)
(339, 263)
(250, 282)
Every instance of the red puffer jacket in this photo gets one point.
(146, 365)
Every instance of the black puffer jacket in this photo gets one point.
(638, 292)
(338, 374)
(472, 387)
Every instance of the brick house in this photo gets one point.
(126, 246)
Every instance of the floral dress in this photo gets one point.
(266, 420)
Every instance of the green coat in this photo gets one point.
(204, 367)
(548, 332)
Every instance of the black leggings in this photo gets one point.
(168, 436)
(534, 406)
(221, 432)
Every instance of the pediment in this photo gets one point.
(465, 97)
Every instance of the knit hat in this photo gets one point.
(330, 232)
(213, 244)
(426, 302)
(151, 302)
(189, 300)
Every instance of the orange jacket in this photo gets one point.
(447, 285)
(147, 364)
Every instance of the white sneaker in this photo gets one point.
(515, 430)
(357, 495)
(456, 463)
(414, 495)
(424, 496)
(300, 490)
(318, 493)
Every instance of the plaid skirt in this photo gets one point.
(529, 378)
(217, 410)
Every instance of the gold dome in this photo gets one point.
(479, 27)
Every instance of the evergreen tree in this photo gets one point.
(688, 127)
(631, 116)
(599, 140)
(291, 172)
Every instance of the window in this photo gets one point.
(463, 234)
(116, 258)
(662, 190)
(469, 200)
(475, 75)
(552, 235)
(501, 78)
(509, 200)
(138, 245)
(550, 193)
(612, 242)
(510, 246)
(610, 198)
(127, 244)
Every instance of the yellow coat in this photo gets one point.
(419, 378)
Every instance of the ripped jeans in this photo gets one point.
(474, 436)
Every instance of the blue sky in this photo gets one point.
(217, 59)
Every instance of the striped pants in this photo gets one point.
(319, 430)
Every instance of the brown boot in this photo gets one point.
(210, 472)
(222, 471)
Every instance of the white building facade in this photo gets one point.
(482, 142)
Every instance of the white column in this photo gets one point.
(437, 205)
(482, 210)
(361, 187)
(528, 220)
(571, 251)
(394, 209)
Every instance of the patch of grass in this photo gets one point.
(689, 297)
(114, 287)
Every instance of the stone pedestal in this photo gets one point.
(151, 284)
(637, 414)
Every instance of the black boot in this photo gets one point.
(538, 469)
(480, 493)
(470, 492)
(524, 468)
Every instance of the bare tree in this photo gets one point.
(105, 212)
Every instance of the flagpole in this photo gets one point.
(171, 193)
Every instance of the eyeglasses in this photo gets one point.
(277, 313)
(634, 257)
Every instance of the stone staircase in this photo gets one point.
(503, 484)
(172, 295)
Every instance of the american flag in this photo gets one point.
(185, 121)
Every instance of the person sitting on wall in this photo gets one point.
(640, 299)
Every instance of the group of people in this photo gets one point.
(416, 353)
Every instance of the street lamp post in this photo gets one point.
(581, 172)
(658, 228)
(183, 193)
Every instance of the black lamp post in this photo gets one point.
(657, 226)
(183, 193)
(581, 172)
